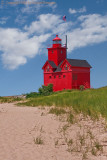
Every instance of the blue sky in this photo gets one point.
(26, 30)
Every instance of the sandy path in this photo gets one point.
(19, 128)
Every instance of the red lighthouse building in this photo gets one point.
(65, 73)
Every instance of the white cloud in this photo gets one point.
(93, 29)
(20, 19)
(28, 9)
(18, 46)
(46, 22)
(36, 5)
(74, 11)
(3, 20)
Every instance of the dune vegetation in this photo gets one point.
(92, 102)
(9, 99)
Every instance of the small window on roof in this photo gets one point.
(47, 69)
(66, 67)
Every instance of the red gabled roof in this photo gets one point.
(56, 38)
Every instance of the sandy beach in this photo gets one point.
(21, 127)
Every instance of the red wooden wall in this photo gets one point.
(68, 79)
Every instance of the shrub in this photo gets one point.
(32, 95)
(46, 90)
(82, 87)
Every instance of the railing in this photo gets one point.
(50, 45)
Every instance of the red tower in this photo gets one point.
(57, 53)
(65, 73)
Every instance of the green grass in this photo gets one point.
(57, 111)
(91, 102)
(9, 99)
(32, 95)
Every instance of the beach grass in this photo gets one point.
(92, 102)
(10, 99)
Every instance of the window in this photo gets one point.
(66, 67)
(52, 51)
(74, 76)
(56, 42)
(64, 76)
(49, 77)
(54, 76)
(61, 51)
(59, 76)
(47, 69)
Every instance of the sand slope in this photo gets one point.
(19, 128)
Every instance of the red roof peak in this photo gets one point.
(56, 38)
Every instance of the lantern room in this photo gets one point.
(56, 42)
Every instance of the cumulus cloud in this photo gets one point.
(74, 11)
(17, 46)
(46, 22)
(93, 29)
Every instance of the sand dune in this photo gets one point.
(23, 128)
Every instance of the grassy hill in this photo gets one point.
(92, 102)
(9, 99)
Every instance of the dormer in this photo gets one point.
(49, 66)
(66, 66)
